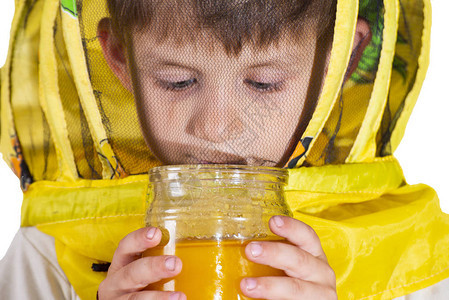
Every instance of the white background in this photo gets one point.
(423, 153)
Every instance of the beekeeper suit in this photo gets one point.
(70, 131)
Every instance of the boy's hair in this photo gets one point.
(233, 22)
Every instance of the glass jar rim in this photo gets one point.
(244, 169)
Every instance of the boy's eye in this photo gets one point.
(263, 86)
(178, 85)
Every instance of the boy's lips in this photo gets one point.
(205, 162)
(233, 160)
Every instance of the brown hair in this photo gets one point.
(233, 22)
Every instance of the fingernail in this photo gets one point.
(174, 296)
(170, 263)
(251, 284)
(151, 233)
(278, 221)
(256, 249)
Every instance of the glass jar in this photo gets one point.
(208, 213)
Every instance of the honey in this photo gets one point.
(211, 269)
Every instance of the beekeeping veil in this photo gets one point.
(94, 94)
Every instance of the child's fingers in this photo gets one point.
(293, 260)
(153, 295)
(298, 233)
(140, 273)
(131, 246)
(284, 288)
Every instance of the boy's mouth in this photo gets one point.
(253, 161)
(205, 162)
(216, 157)
(233, 160)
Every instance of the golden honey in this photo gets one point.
(211, 269)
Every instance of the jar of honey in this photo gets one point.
(208, 214)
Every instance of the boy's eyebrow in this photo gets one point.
(269, 63)
(170, 63)
(285, 59)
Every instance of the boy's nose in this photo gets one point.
(216, 118)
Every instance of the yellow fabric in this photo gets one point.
(423, 63)
(7, 125)
(383, 238)
(364, 148)
(87, 161)
(49, 94)
(359, 118)
(356, 99)
(385, 247)
(417, 29)
(345, 24)
(81, 77)
(120, 101)
(342, 47)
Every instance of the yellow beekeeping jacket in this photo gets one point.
(83, 171)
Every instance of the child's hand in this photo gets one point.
(304, 262)
(129, 274)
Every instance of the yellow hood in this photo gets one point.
(79, 164)
(77, 106)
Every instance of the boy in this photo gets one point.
(231, 82)
(194, 74)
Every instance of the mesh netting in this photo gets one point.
(199, 82)
(341, 129)
(405, 68)
(86, 158)
(214, 82)
(337, 139)
(116, 104)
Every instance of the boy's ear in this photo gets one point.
(114, 52)
(362, 38)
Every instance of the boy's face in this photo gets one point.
(197, 104)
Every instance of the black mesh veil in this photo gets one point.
(273, 83)
(230, 82)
